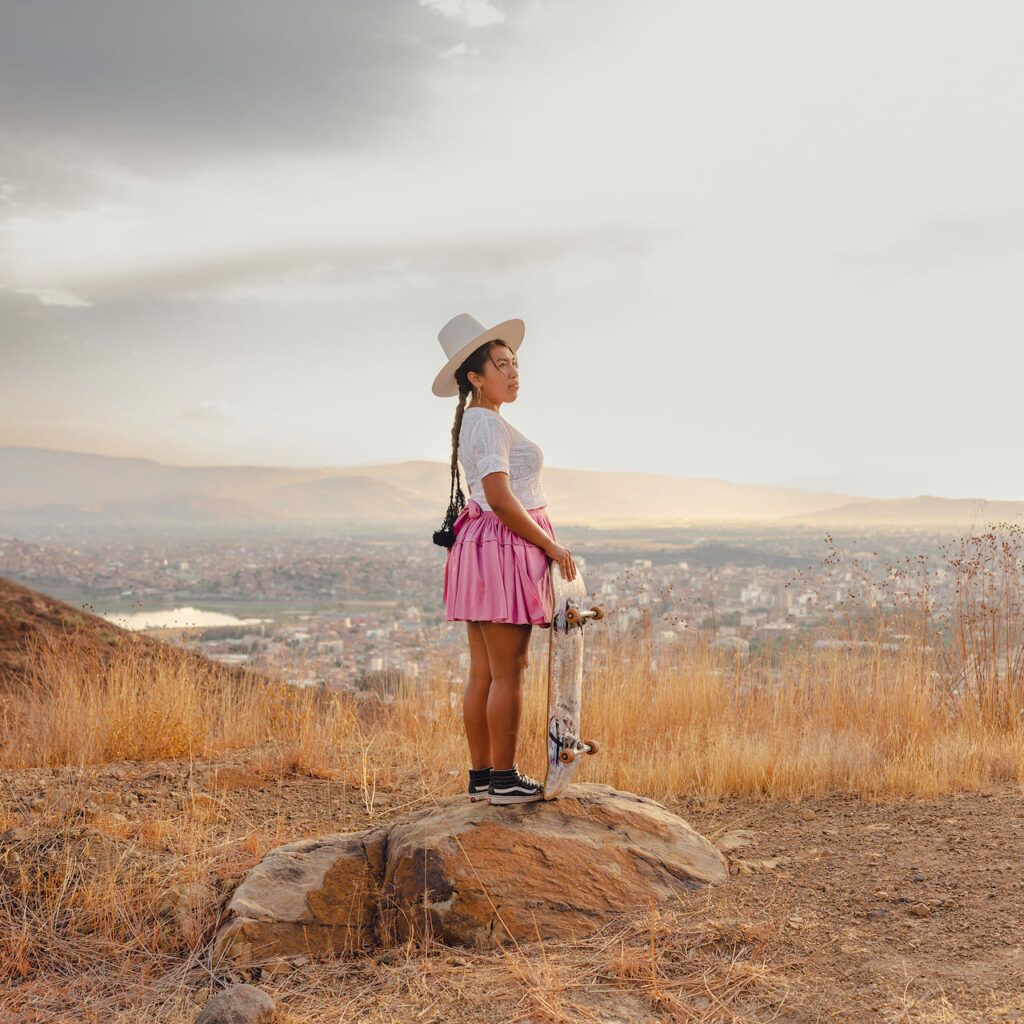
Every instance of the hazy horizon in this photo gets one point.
(773, 246)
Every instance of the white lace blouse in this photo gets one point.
(487, 444)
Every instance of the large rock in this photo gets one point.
(315, 896)
(470, 874)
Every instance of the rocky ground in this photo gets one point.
(897, 910)
(912, 910)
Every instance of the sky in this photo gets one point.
(767, 243)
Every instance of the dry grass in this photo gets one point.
(83, 935)
(922, 717)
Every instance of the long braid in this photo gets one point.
(445, 537)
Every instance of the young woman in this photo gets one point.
(496, 574)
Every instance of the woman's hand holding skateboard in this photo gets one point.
(563, 556)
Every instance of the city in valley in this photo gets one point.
(365, 614)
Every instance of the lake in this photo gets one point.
(177, 618)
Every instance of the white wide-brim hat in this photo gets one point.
(462, 336)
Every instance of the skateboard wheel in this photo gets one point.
(572, 616)
(593, 746)
(598, 611)
(567, 756)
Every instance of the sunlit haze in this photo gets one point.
(765, 243)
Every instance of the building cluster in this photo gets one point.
(347, 614)
(259, 570)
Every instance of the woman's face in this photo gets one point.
(499, 379)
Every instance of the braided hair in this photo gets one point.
(474, 363)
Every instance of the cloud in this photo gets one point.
(55, 297)
(208, 411)
(459, 50)
(946, 240)
(329, 271)
(473, 13)
(160, 87)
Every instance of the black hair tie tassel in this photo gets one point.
(445, 537)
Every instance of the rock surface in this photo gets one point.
(240, 1004)
(469, 874)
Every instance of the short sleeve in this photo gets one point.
(491, 445)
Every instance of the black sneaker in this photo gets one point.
(479, 783)
(512, 787)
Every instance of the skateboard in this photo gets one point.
(570, 613)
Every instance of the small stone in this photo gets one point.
(735, 840)
(277, 967)
(918, 877)
(240, 1004)
(921, 910)
(806, 814)
(89, 810)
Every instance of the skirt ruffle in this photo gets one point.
(494, 575)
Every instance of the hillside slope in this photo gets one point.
(28, 617)
(924, 510)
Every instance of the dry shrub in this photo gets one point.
(158, 702)
(74, 901)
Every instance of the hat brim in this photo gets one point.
(510, 332)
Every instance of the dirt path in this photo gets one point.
(911, 904)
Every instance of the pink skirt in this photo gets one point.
(494, 575)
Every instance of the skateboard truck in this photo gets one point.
(568, 752)
(577, 616)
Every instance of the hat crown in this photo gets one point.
(459, 332)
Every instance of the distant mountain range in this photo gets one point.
(47, 490)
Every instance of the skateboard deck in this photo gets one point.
(570, 613)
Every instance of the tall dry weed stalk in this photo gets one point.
(973, 645)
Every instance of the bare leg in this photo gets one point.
(508, 655)
(474, 701)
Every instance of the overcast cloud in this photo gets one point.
(766, 243)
